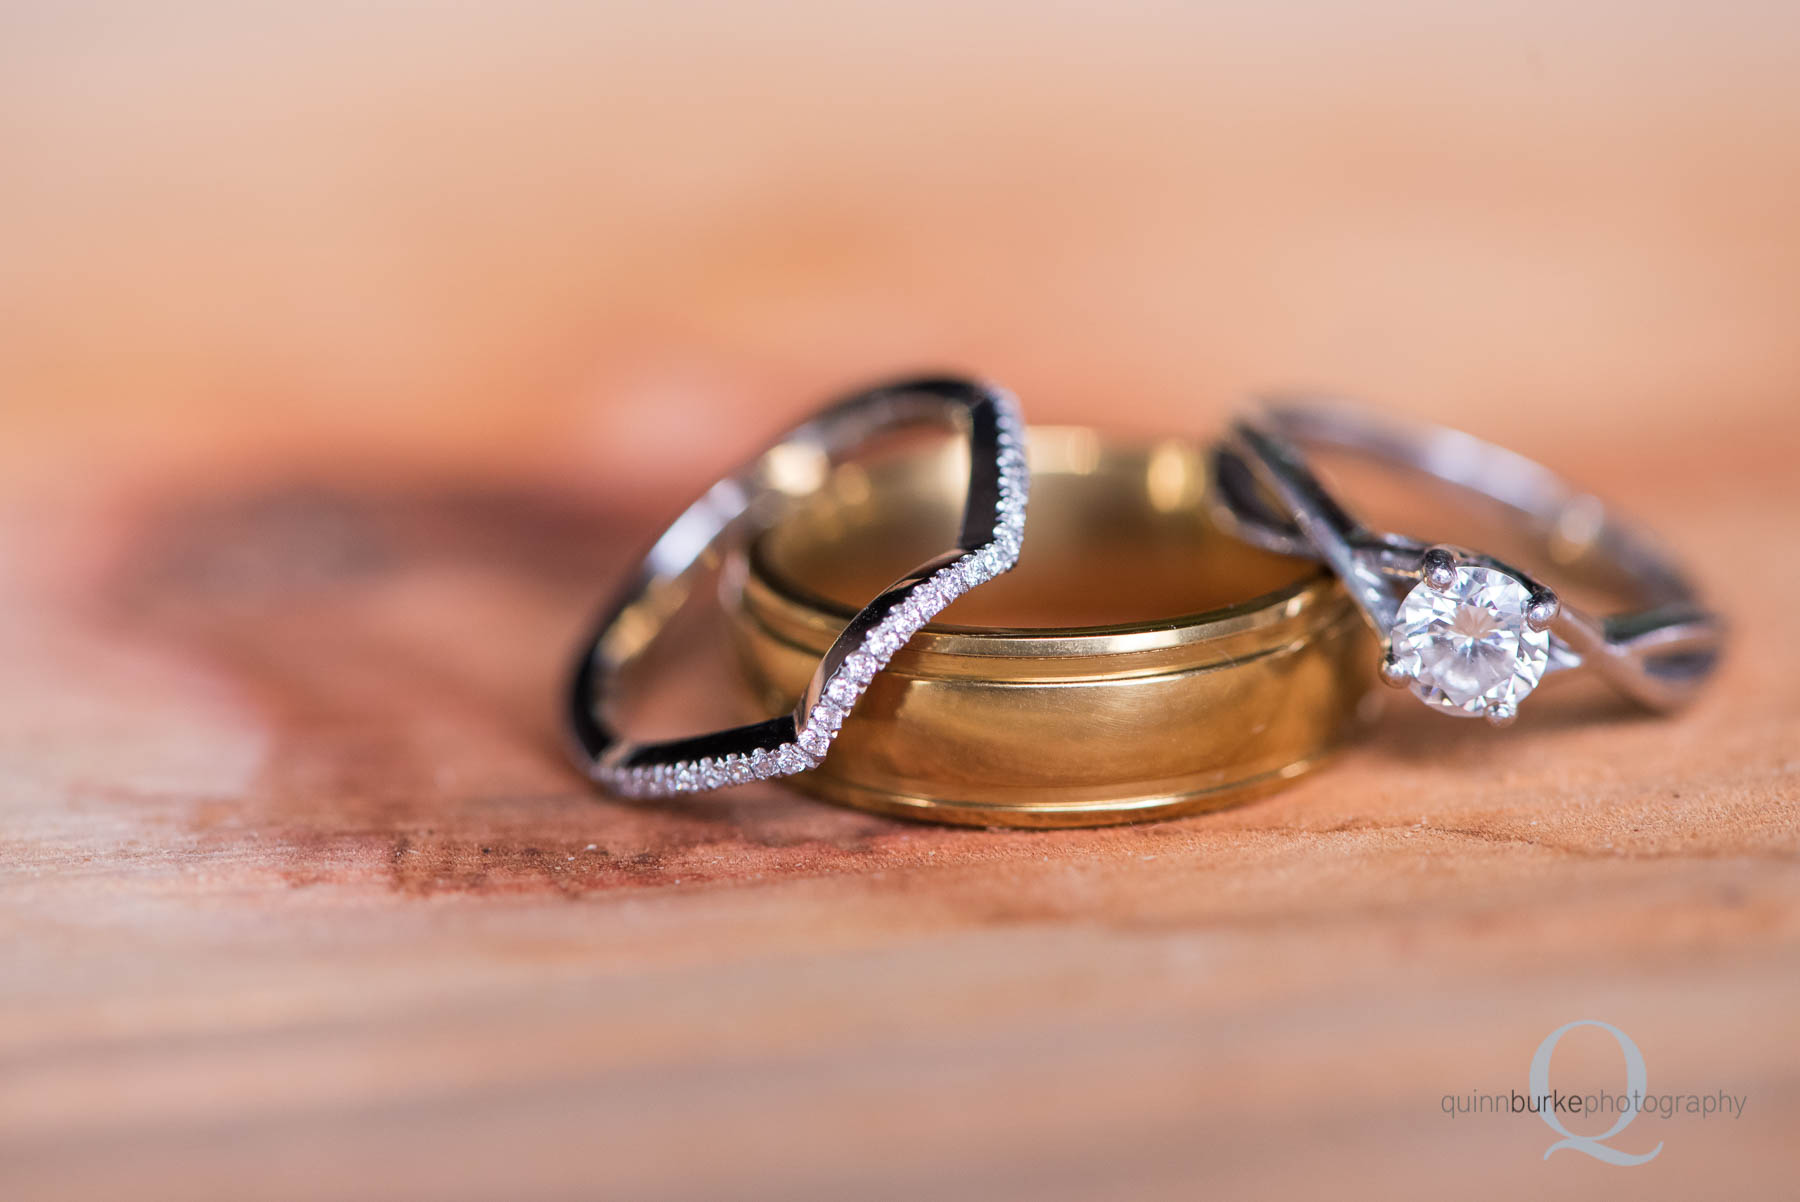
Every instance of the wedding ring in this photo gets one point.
(1468, 633)
(1138, 664)
(989, 529)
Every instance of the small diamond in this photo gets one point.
(1468, 648)
(762, 764)
(860, 667)
(905, 621)
(826, 716)
(790, 759)
(842, 690)
(738, 769)
(883, 641)
(815, 740)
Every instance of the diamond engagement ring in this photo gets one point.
(739, 507)
(1469, 634)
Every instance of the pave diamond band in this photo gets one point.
(1469, 634)
(993, 528)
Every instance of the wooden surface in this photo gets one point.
(342, 364)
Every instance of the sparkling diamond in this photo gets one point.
(1468, 648)
(905, 618)
(842, 690)
(826, 716)
(815, 740)
(883, 641)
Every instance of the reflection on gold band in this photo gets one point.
(1137, 664)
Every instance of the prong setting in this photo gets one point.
(1438, 567)
(1394, 674)
(1543, 609)
(1501, 713)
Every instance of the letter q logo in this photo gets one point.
(1635, 1081)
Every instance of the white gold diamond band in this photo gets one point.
(738, 508)
(1468, 634)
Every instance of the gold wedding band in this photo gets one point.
(1137, 664)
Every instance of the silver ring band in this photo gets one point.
(1658, 655)
(743, 505)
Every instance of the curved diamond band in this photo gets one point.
(741, 505)
(1467, 633)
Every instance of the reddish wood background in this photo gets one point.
(342, 360)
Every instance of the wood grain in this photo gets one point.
(301, 900)
(344, 365)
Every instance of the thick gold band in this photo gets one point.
(1137, 664)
